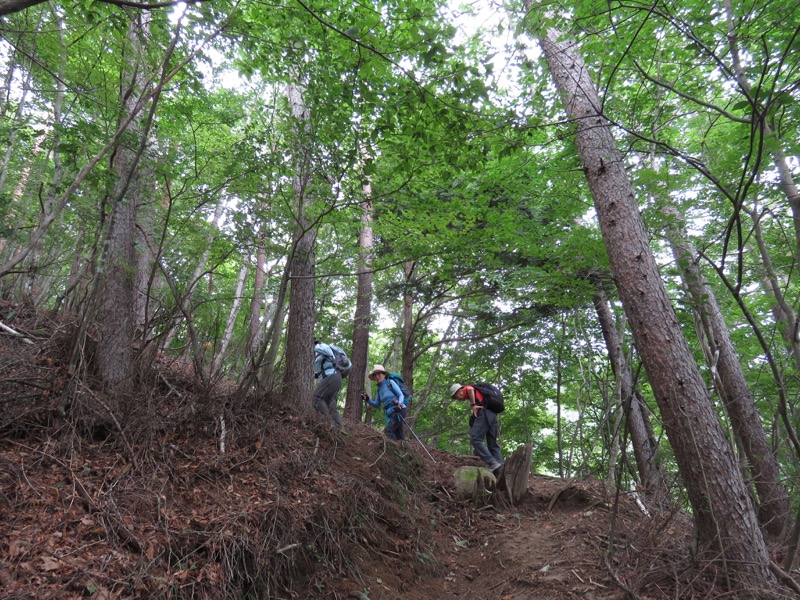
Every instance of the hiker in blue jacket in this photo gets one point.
(391, 399)
(326, 393)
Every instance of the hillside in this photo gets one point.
(289, 510)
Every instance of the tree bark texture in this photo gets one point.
(774, 504)
(298, 375)
(116, 285)
(725, 518)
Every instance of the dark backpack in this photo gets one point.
(398, 379)
(340, 361)
(492, 397)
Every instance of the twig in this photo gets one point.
(446, 492)
(127, 444)
(556, 495)
(785, 578)
(25, 475)
(8, 329)
(616, 579)
(382, 453)
(289, 547)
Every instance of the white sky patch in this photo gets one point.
(494, 22)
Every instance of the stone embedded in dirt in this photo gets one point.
(466, 478)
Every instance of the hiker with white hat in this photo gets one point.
(485, 402)
(391, 398)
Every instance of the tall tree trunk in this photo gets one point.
(115, 293)
(774, 504)
(725, 518)
(297, 378)
(644, 447)
(781, 309)
(353, 407)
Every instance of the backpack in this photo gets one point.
(340, 361)
(492, 397)
(398, 379)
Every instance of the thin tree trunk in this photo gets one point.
(12, 136)
(559, 386)
(275, 332)
(782, 311)
(725, 518)
(34, 260)
(787, 183)
(652, 481)
(420, 395)
(231, 321)
(255, 326)
(353, 407)
(182, 300)
(409, 326)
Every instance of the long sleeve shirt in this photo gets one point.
(388, 394)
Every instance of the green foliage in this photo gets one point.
(474, 176)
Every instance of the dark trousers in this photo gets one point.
(394, 425)
(485, 426)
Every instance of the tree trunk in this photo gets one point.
(644, 447)
(298, 378)
(115, 293)
(409, 326)
(230, 322)
(725, 518)
(11, 6)
(774, 504)
(30, 279)
(15, 127)
(363, 315)
(255, 325)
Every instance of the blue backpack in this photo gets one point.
(398, 379)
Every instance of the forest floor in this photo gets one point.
(291, 509)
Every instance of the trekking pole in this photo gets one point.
(416, 436)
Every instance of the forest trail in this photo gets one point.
(290, 509)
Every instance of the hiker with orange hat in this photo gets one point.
(391, 398)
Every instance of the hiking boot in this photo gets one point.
(496, 469)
